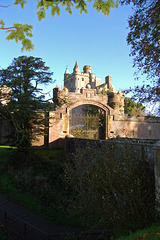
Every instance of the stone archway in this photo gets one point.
(97, 133)
(91, 102)
(66, 101)
(87, 121)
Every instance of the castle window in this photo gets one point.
(82, 79)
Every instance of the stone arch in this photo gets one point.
(107, 111)
(106, 108)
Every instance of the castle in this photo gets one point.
(85, 89)
(77, 81)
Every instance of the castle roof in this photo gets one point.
(76, 68)
(67, 71)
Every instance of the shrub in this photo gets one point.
(111, 190)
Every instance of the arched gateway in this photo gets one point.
(98, 104)
(87, 119)
(66, 102)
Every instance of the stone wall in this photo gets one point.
(116, 125)
(6, 132)
(147, 150)
(144, 149)
(5, 94)
(134, 127)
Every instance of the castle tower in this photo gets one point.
(76, 68)
(76, 72)
(77, 80)
(66, 74)
(109, 82)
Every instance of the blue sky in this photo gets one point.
(91, 39)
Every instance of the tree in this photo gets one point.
(25, 105)
(144, 39)
(21, 32)
(133, 108)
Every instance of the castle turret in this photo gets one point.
(87, 69)
(67, 71)
(76, 68)
(92, 80)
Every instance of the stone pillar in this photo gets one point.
(106, 123)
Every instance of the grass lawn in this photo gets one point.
(5, 152)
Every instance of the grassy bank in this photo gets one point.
(39, 187)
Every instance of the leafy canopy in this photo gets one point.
(23, 32)
(18, 32)
(133, 108)
(144, 40)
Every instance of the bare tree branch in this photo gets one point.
(6, 6)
